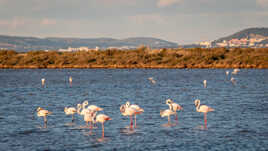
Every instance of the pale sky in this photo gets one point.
(181, 21)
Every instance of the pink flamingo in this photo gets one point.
(44, 113)
(137, 108)
(102, 118)
(174, 107)
(70, 111)
(204, 109)
(168, 113)
(128, 111)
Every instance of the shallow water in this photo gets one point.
(239, 122)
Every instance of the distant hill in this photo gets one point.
(247, 33)
(251, 37)
(33, 43)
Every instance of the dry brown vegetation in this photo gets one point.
(139, 58)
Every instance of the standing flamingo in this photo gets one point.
(168, 113)
(84, 104)
(70, 110)
(204, 109)
(102, 118)
(174, 107)
(137, 108)
(44, 113)
(205, 83)
(128, 111)
(95, 109)
(70, 80)
(43, 80)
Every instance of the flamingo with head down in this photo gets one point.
(102, 118)
(174, 107)
(70, 111)
(44, 113)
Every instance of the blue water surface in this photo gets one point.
(239, 122)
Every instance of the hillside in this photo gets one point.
(251, 37)
(33, 43)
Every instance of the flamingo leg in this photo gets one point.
(176, 118)
(168, 120)
(72, 118)
(45, 119)
(91, 125)
(135, 120)
(205, 119)
(102, 130)
(131, 122)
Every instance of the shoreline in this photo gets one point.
(140, 67)
(141, 58)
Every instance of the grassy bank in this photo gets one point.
(139, 58)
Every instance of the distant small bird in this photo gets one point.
(205, 83)
(174, 107)
(43, 81)
(232, 80)
(235, 71)
(44, 113)
(227, 72)
(70, 80)
(102, 118)
(152, 80)
(204, 109)
(168, 113)
(70, 111)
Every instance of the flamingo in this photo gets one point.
(70, 80)
(168, 113)
(137, 108)
(152, 80)
(128, 111)
(174, 107)
(43, 81)
(102, 118)
(235, 71)
(44, 113)
(70, 110)
(205, 83)
(84, 104)
(204, 109)
(94, 108)
(89, 116)
(232, 80)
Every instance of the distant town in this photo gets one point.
(247, 38)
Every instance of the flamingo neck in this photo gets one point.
(198, 107)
